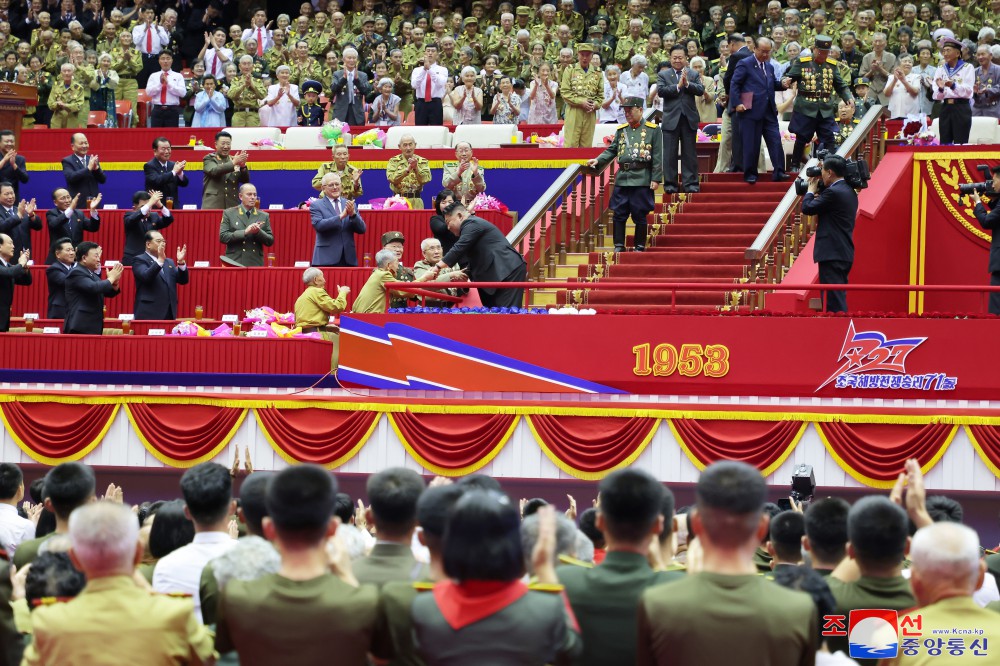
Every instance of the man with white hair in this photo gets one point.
(432, 251)
(350, 86)
(635, 79)
(946, 569)
(464, 176)
(245, 93)
(986, 89)
(113, 615)
(372, 297)
(335, 220)
(314, 306)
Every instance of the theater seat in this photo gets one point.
(602, 130)
(485, 136)
(984, 130)
(242, 136)
(303, 138)
(426, 137)
(97, 119)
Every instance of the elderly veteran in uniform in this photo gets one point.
(350, 176)
(582, 89)
(432, 251)
(314, 307)
(371, 298)
(465, 178)
(245, 230)
(393, 240)
(222, 174)
(407, 172)
(638, 146)
(245, 93)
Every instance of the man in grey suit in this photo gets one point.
(246, 230)
(336, 221)
(679, 85)
(350, 86)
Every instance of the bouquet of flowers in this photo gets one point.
(191, 329)
(925, 139)
(373, 137)
(266, 143)
(551, 141)
(334, 132)
(223, 331)
(395, 202)
(266, 315)
(486, 202)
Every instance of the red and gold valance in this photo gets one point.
(55, 432)
(184, 435)
(591, 447)
(763, 444)
(453, 444)
(312, 435)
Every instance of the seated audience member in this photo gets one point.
(350, 176)
(439, 228)
(156, 278)
(303, 614)
(169, 530)
(86, 291)
(113, 615)
(17, 219)
(208, 500)
(163, 175)
(67, 486)
(372, 297)
(12, 272)
(13, 528)
(335, 220)
(252, 557)
(432, 251)
(55, 276)
(681, 622)
(483, 613)
(246, 230)
(605, 598)
(148, 212)
(315, 306)
(464, 177)
(393, 494)
(384, 110)
(826, 533)
(64, 219)
(946, 569)
(784, 543)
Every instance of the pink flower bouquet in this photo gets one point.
(551, 141)
(486, 202)
(392, 203)
(190, 329)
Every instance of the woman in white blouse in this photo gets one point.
(283, 100)
(902, 89)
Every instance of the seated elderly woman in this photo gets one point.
(372, 297)
(314, 306)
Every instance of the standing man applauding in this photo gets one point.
(86, 291)
(81, 170)
(10, 274)
(150, 39)
(163, 175)
(246, 230)
(223, 174)
(428, 89)
(165, 89)
(12, 167)
(65, 221)
(954, 85)
(336, 221)
(142, 219)
(679, 85)
(156, 279)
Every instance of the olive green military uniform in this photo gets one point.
(371, 298)
(401, 86)
(538, 32)
(413, 55)
(628, 47)
(128, 65)
(72, 96)
(578, 86)
(622, 30)
(554, 47)
(394, 631)
(348, 188)
(815, 107)
(303, 71)
(411, 184)
(83, 75)
(53, 60)
(276, 57)
(221, 182)
(246, 101)
(500, 41)
(241, 247)
(465, 189)
(868, 592)
(27, 551)
(949, 620)
(389, 562)
(919, 28)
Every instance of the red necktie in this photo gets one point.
(260, 43)
(215, 62)
(163, 93)
(427, 87)
(149, 41)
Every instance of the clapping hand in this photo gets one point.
(349, 208)
(95, 202)
(154, 198)
(161, 252)
(571, 511)
(114, 493)
(913, 497)
(253, 229)
(182, 252)
(115, 274)
(72, 204)
(23, 259)
(683, 81)
(208, 39)
(92, 164)
(475, 165)
(178, 167)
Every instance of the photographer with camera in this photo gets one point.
(836, 205)
(991, 221)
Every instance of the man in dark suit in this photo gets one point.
(162, 175)
(679, 85)
(156, 279)
(12, 166)
(350, 86)
(739, 51)
(143, 218)
(17, 219)
(66, 220)
(991, 220)
(836, 206)
(490, 256)
(86, 291)
(56, 274)
(82, 171)
(335, 221)
(10, 274)
(753, 87)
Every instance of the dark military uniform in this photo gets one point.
(844, 129)
(311, 115)
(815, 109)
(639, 151)
(401, 559)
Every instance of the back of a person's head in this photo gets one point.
(944, 509)
(37, 490)
(588, 525)
(52, 578)
(11, 480)
(170, 530)
(208, 493)
(806, 580)
(482, 538)
(668, 507)
(300, 503)
(566, 537)
(69, 486)
(945, 553)
(877, 530)
(433, 508)
(393, 495)
(479, 482)
(785, 536)
(630, 505)
(343, 508)
(826, 529)
(532, 506)
(105, 537)
(730, 497)
(253, 500)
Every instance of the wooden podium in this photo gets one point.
(14, 98)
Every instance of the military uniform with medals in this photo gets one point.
(639, 151)
(246, 101)
(72, 96)
(412, 183)
(403, 274)
(347, 186)
(577, 86)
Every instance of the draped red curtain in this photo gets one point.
(986, 440)
(184, 435)
(875, 453)
(57, 432)
(763, 444)
(325, 437)
(453, 444)
(591, 447)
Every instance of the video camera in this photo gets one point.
(856, 176)
(985, 187)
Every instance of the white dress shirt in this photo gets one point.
(175, 88)
(13, 528)
(214, 63)
(262, 35)
(160, 38)
(180, 571)
(637, 86)
(418, 79)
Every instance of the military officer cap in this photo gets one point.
(523, 11)
(823, 42)
(585, 47)
(392, 237)
(367, 19)
(595, 30)
(602, 17)
(950, 41)
(632, 101)
(469, 20)
(312, 86)
(862, 81)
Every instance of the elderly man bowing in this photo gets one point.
(335, 220)
(314, 307)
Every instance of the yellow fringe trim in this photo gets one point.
(79, 455)
(173, 462)
(312, 166)
(448, 471)
(982, 454)
(923, 157)
(768, 471)
(591, 476)
(331, 465)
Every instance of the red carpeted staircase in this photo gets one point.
(702, 240)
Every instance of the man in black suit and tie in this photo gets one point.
(82, 171)
(10, 274)
(490, 257)
(143, 218)
(350, 86)
(991, 220)
(86, 291)
(679, 85)
(837, 207)
(753, 88)
(156, 279)
(17, 219)
(739, 51)
(12, 166)
(56, 274)
(65, 220)
(335, 221)
(162, 175)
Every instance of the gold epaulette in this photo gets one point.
(650, 124)
(622, 126)
(423, 586)
(566, 559)
(833, 61)
(545, 587)
(806, 59)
